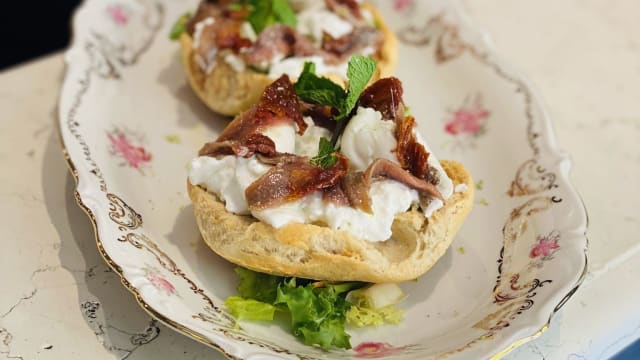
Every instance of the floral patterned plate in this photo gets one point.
(130, 124)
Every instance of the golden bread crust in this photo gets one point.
(319, 252)
(228, 92)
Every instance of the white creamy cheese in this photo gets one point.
(446, 185)
(293, 66)
(314, 19)
(199, 28)
(227, 177)
(460, 188)
(366, 138)
(206, 63)
(307, 144)
(235, 62)
(388, 198)
(314, 22)
(368, 17)
(246, 31)
(368, 51)
(284, 136)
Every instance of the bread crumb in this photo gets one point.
(173, 139)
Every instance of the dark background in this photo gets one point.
(33, 28)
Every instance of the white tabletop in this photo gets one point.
(60, 300)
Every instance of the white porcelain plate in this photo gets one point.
(130, 124)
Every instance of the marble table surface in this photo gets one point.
(61, 301)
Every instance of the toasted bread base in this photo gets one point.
(319, 252)
(228, 92)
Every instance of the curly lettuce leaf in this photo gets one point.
(375, 305)
(319, 310)
(250, 309)
(362, 316)
(257, 286)
(317, 314)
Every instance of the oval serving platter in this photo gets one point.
(130, 124)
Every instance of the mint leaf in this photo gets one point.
(260, 15)
(266, 12)
(250, 309)
(319, 90)
(283, 13)
(326, 157)
(257, 286)
(179, 26)
(359, 71)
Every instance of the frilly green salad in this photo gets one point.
(320, 312)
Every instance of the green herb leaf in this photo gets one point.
(179, 26)
(359, 71)
(236, 6)
(250, 309)
(284, 13)
(266, 12)
(319, 90)
(326, 157)
(257, 286)
(260, 15)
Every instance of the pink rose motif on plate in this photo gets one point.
(122, 146)
(470, 118)
(373, 350)
(160, 283)
(118, 14)
(545, 246)
(402, 5)
(467, 123)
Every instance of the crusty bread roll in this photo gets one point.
(228, 92)
(319, 252)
